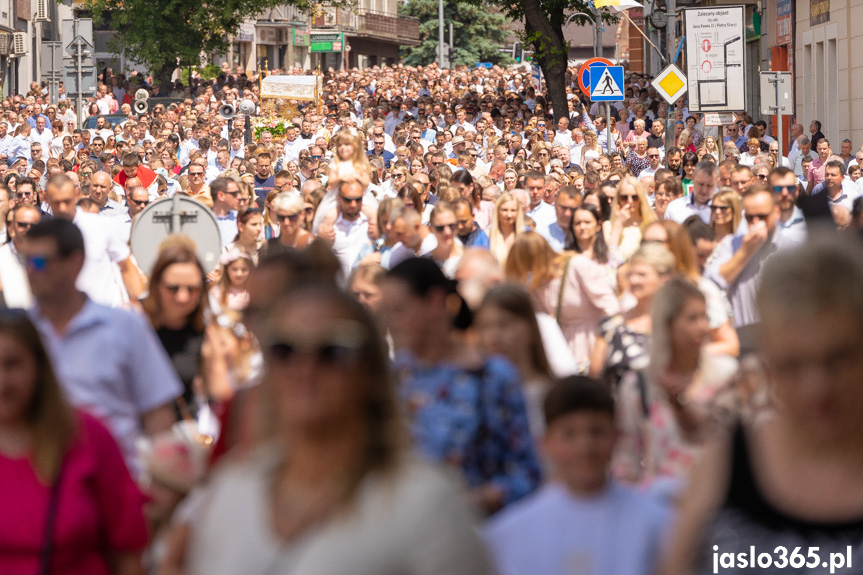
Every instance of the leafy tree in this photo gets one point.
(479, 31)
(543, 33)
(158, 32)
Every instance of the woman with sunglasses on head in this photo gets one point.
(69, 505)
(331, 485)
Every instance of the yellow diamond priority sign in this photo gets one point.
(670, 83)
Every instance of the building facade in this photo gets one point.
(828, 67)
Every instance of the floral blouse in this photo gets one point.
(473, 420)
(636, 164)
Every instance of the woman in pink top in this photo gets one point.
(68, 503)
(579, 304)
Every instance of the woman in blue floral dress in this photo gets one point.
(465, 411)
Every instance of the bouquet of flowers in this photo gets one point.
(277, 127)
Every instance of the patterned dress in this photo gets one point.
(473, 420)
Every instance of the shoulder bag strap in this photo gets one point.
(50, 521)
(562, 288)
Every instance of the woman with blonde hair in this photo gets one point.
(630, 215)
(726, 211)
(591, 149)
(684, 141)
(506, 223)
(69, 504)
(573, 289)
(331, 486)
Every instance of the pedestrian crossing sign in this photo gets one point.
(606, 83)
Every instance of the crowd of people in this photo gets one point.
(451, 331)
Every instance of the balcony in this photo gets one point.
(374, 24)
(404, 29)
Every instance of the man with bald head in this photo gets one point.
(106, 251)
(100, 188)
(137, 198)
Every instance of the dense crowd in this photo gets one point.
(451, 331)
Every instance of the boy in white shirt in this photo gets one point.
(582, 521)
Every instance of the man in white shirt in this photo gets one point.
(5, 142)
(226, 199)
(351, 227)
(704, 185)
(108, 361)
(105, 250)
(41, 135)
(187, 147)
(461, 121)
(653, 161)
(13, 276)
(568, 200)
(540, 212)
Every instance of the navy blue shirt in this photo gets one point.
(386, 156)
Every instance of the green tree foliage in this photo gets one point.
(479, 32)
(543, 34)
(158, 32)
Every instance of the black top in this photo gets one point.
(746, 519)
(184, 349)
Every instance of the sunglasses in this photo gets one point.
(627, 198)
(343, 347)
(195, 174)
(348, 200)
(752, 217)
(440, 229)
(653, 155)
(289, 217)
(140, 202)
(175, 288)
(722, 209)
(780, 189)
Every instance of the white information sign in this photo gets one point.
(715, 43)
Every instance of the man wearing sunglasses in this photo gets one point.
(741, 257)
(137, 198)
(104, 358)
(351, 227)
(226, 200)
(792, 224)
(13, 277)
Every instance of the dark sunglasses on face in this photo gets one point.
(281, 218)
(440, 229)
(175, 288)
(752, 217)
(343, 347)
(140, 202)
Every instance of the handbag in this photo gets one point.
(50, 520)
(559, 310)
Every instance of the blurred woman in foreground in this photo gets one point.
(331, 488)
(793, 480)
(69, 505)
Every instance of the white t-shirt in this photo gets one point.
(413, 522)
(104, 248)
(554, 532)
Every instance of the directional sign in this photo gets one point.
(670, 83)
(715, 46)
(769, 105)
(606, 83)
(720, 118)
(584, 73)
(88, 80)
